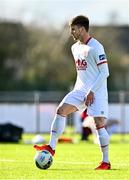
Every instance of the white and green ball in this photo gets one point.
(43, 159)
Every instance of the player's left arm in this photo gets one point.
(103, 75)
(103, 69)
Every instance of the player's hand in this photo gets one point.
(89, 99)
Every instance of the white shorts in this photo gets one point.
(99, 108)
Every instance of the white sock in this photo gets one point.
(57, 129)
(104, 143)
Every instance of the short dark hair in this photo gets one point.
(80, 21)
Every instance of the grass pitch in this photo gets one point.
(72, 161)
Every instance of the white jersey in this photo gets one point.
(92, 67)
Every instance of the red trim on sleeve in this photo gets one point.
(101, 63)
(99, 127)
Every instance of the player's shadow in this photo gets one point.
(68, 169)
(76, 169)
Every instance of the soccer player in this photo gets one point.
(90, 90)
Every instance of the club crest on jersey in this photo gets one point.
(102, 57)
(81, 64)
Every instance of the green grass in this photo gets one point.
(72, 161)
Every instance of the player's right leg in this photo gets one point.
(72, 102)
(57, 128)
(45, 147)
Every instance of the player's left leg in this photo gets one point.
(99, 110)
(104, 143)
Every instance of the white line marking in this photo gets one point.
(73, 162)
(60, 162)
(7, 160)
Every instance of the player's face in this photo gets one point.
(76, 32)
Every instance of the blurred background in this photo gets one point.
(37, 67)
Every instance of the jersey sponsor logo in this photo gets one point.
(81, 64)
(102, 57)
(102, 112)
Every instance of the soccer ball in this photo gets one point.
(43, 159)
